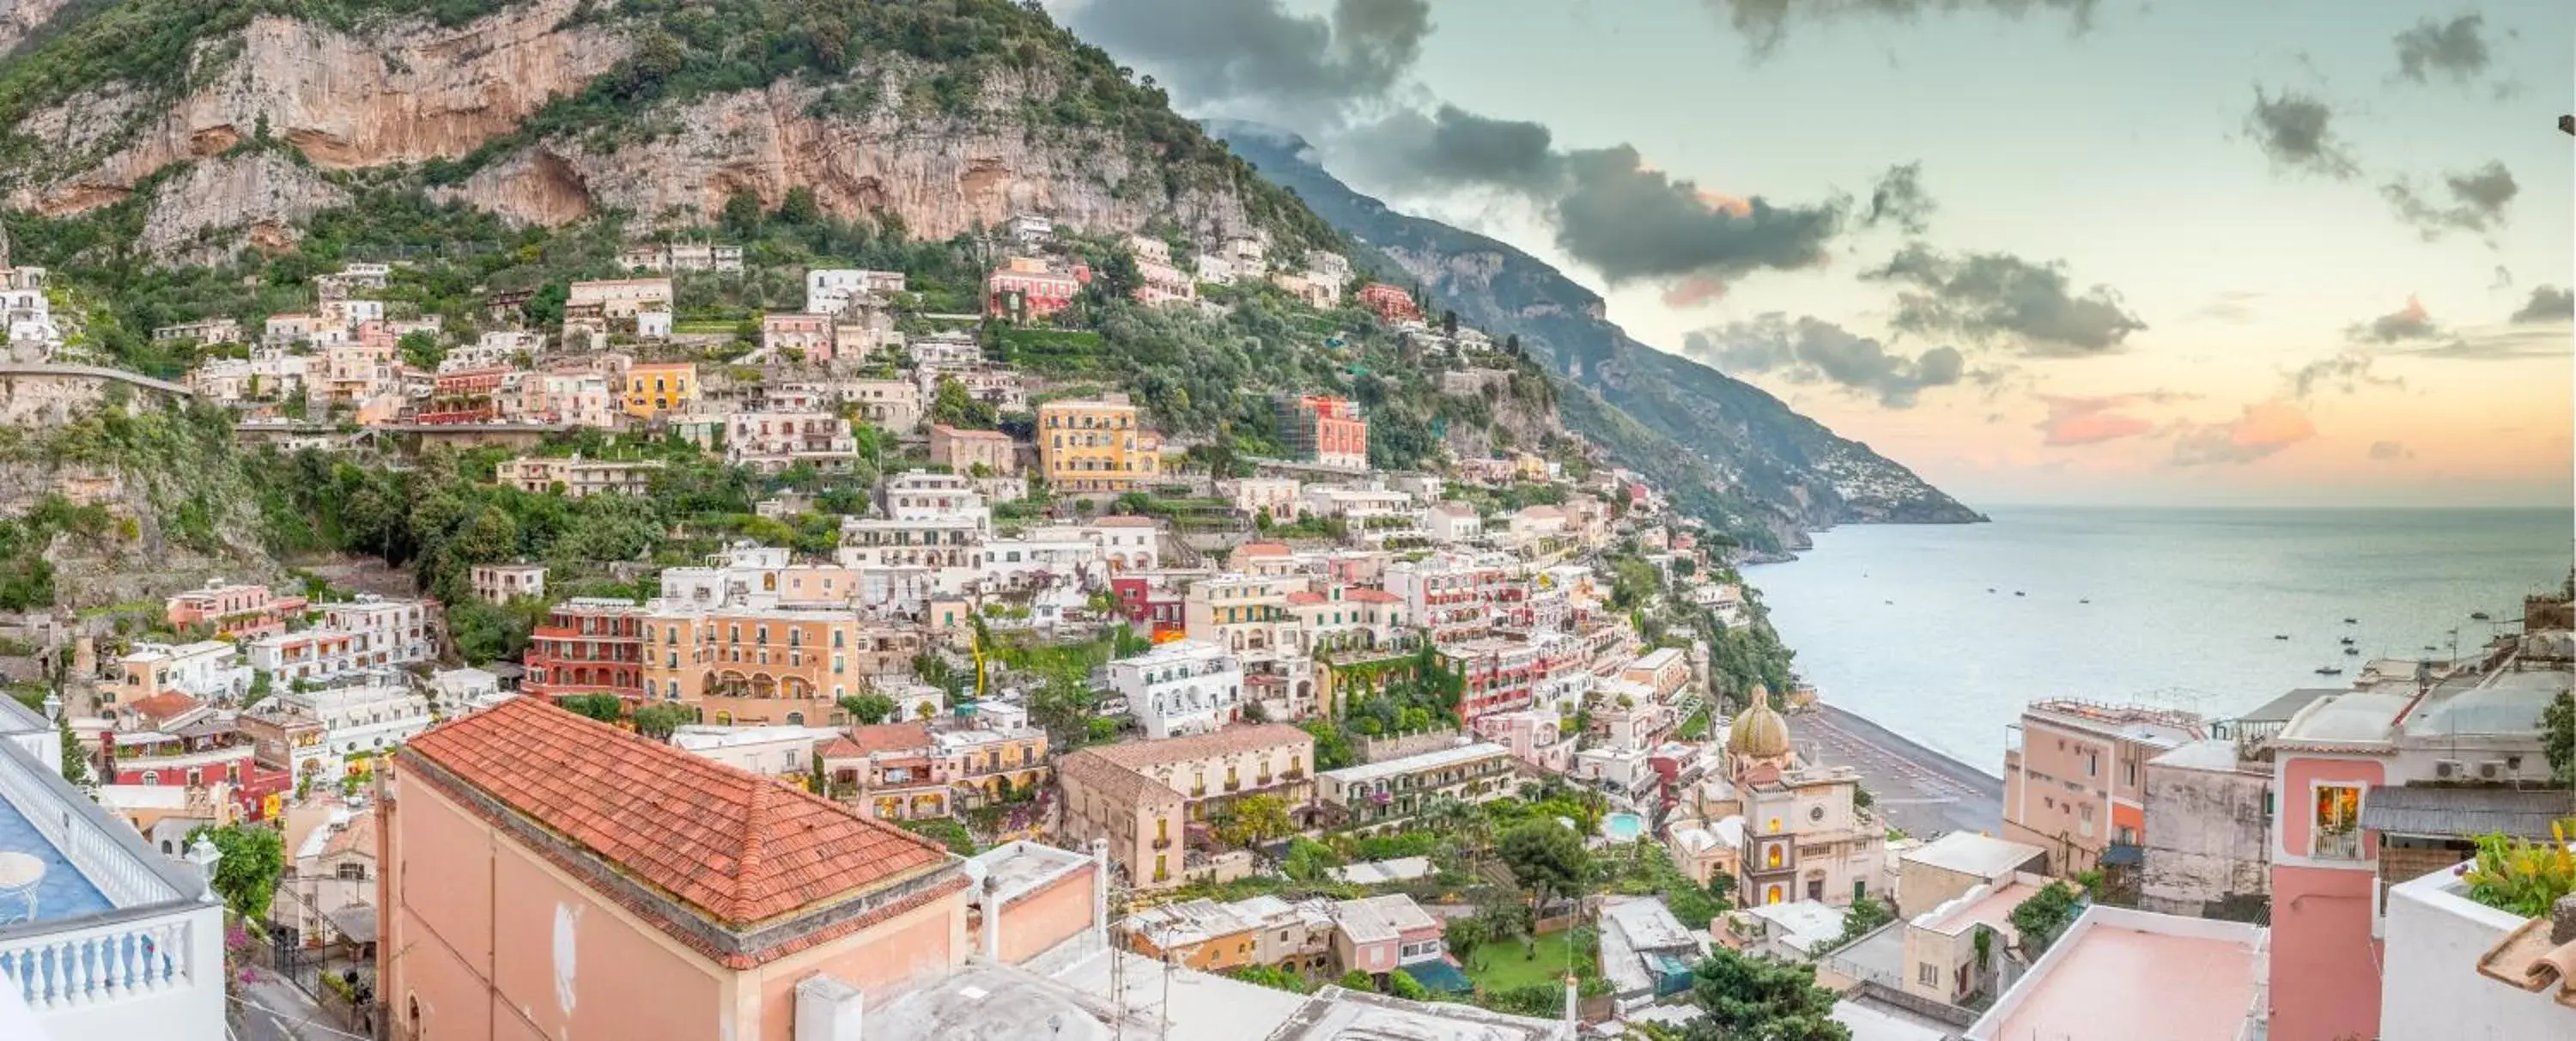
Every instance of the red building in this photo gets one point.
(193, 756)
(1390, 303)
(238, 611)
(1502, 675)
(1325, 429)
(1029, 288)
(587, 647)
(463, 396)
(1160, 610)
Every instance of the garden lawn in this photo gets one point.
(1502, 966)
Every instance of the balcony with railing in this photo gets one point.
(100, 936)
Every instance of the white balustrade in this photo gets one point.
(111, 861)
(79, 967)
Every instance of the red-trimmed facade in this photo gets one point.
(587, 648)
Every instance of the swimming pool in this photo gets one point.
(1623, 827)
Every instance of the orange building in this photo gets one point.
(238, 611)
(547, 876)
(1096, 446)
(751, 666)
(652, 390)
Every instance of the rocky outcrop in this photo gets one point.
(942, 177)
(261, 196)
(19, 18)
(406, 94)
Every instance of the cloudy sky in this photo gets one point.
(2197, 251)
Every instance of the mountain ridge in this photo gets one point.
(1798, 474)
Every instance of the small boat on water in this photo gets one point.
(2352, 621)
(2280, 636)
(2352, 650)
(2347, 641)
(1990, 589)
(2019, 593)
(2329, 670)
(2085, 600)
(2478, 616)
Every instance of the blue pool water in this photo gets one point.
(63, 894)
(1623, 827)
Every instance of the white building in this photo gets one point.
(1184, 687)
(771, 750)
(69, 965)
(464, 691)
(502, 583)
(928, 495)
(365, 713)
(390, 631)
(207, 670)
(2433, 989)
(1276, 497)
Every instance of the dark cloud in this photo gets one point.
(2478, 201)
(2548, 304)
(1811, 350)
(1988, 296)
(1765, 23)
(1898, 198)
(1609, 210)
(2411, 322)
(2390, 451)
(1296, 67)
(2297, 131)
(2347, 372)
(1630, 221)
(2262, 429)
(2457, 49)
(1453, 147)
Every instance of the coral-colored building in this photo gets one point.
(238, 611)
(1030, 287)
(1390, 303)
(548, 876)
(587, 646)
(1325, 429)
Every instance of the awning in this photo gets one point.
(356, 923)
(2461, 813)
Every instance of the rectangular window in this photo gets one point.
(2335, 826)
(1929, 975)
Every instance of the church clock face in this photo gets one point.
(1817, 814)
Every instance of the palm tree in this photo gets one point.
(1463, 822)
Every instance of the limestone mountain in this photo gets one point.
(1736, 442)
(225, 118)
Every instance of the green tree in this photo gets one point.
(606, 708)
(75, 759)
(1865, 917)
(657, 721)
(2043, 915)
(1273, 977)
(261, 682)
(246, 877)
(1546, 858)
(2558, 738)
(420, 350)
(1758, 999)
(1356, 980)
(1253, 820)
(1403, 985)
(870, 708)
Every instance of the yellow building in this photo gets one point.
(654, 389)
(1096, 445)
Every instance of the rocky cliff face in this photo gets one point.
(388, 97)
(941, 176)
(18, 18)
(210, 208)
(411, 94)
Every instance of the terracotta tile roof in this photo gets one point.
(358, 837)
(1139, 755)
(169, 704)
(1372, 596)
(1304, 597)
(2527, 959)
(889, 737)
(1261, 549)
(839, 748)
(738, 848)
(1092, 770)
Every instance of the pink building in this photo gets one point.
(2380, 786)
(1381, 934)
(1025, 286)
(1535, 736)
(2075, 776)
(238, 611)
(548, 876)
(2123, 975)
(807, 334)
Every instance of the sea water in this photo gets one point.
(1943, 632)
